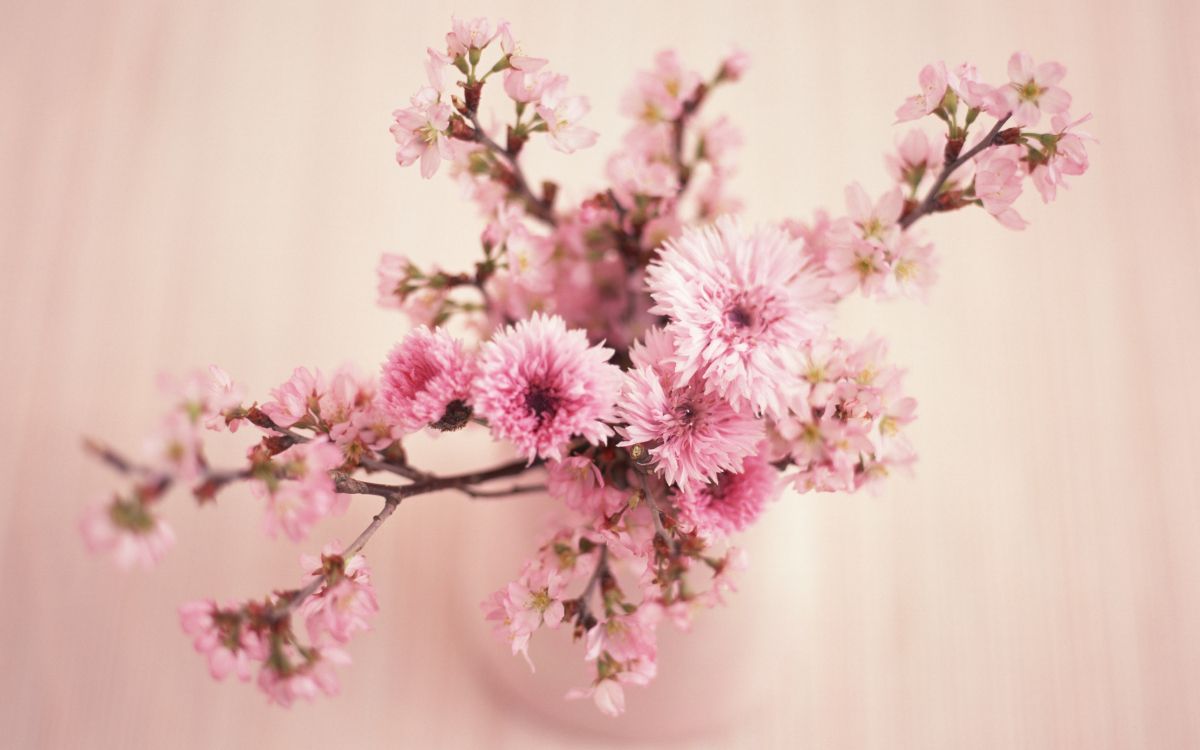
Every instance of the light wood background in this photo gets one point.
(196, 182)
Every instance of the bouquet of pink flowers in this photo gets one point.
(661, 368)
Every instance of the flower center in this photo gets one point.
(541, 401)
(739, 316)
(429, 133)
(686, 412)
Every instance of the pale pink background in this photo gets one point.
(213, 181)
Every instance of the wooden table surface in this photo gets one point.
(196, 182)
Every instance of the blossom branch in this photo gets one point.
(539, 208)
(929, 203)
(585, 618)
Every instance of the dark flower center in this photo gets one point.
(455, 417)
(686, 412)
(739, 316)
(541, 401)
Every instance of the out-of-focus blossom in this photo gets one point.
(128, 530)
(302, 492)
(223, 635)
(345, 602)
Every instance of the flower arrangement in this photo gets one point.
(660, 367)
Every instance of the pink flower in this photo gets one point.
(208, 397)
(733, 501)
(659, 95)
(932, 80)
(345, 603)
(978, 95)
(917, 156)
(421, 132)
(607, 694)
(734, 66)
(819, 236)
(128, 530)
(224, 405)
(914, 266)
(577, 482)
(291, 672)
(625, 650)
(736, 560)
(998, 174)
(469, 35)
(525, 605)
(718, 142)
(1033, 90)
(1067, 155)
(528, 85)
(174, 449)
(427, 381)
(692, 435)
(303, 492)
(404, 287)
(562, 114)
(346, 405)
(626, 637)
(223, 636)
(876, 221)
(846, 434)
(739, 303)
(540, 384)
(858, 263)
(298, 400)
(512, 48)
(633, 175)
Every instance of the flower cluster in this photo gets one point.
(239, 636)
(662, 368)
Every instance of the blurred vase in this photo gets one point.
(709, 679)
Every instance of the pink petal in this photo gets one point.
(1049, 73)
(430, 160)
(1020, 67)
(1054, 100)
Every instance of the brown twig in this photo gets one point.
(539, 208)
(593, 581)
(927, 204)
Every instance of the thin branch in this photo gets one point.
(392, 498)
(539, 208)
(297, 598)
(593, 581)
(926, 205)
(516, 489)
(655, 513)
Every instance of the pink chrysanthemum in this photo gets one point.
(732, 502)
(427, 381)
(692, 435)
(539, 384)
(740, 303)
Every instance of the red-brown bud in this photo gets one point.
(1007, 136)
(953, 148)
